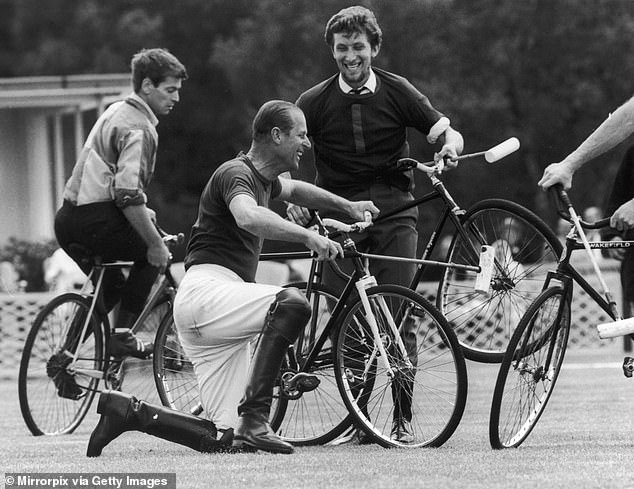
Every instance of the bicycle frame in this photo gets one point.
(576, 240)
(164, 286)
(452, 212)
(566, 274)
(360, 280)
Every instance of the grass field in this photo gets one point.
(584, 440)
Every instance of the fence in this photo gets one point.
(17, 312)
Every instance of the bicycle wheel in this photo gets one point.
(54, 394)
(317, 416)
(425, 386)
(525, 249)
(135, 376)
(530, 369)
(174, 374)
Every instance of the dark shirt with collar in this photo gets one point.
(356, 138)
(215, 236)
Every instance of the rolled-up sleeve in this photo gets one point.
(135, 165)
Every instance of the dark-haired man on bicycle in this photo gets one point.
(104, 207)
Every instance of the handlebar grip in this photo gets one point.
(562, 201)
(562, 194)
(601, 223)
(405, 164)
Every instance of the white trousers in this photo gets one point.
(217, 315)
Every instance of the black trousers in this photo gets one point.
(104, 230)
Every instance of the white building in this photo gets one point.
(43, 124)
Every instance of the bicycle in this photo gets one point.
(361, 345)
(535, 354)
(482, 320)
(66, 355)
(523, 247)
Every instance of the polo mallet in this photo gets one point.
(491, 155)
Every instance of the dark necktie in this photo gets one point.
(358, 91)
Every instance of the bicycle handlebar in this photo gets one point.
(170, 239)
(564, 205)
(491, 155)
(346, 228)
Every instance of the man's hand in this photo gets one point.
(325, 248)
(298, 214)
(615, 253)
(623, 217)
(447, 156)
(158, 256)
(556, 173)
(359, 208)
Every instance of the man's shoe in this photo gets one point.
(254, 433)
(353, 437)
(402, 431)
(127, 345)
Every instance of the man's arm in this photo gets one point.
(139, 217)
(615, 129)
(308, 195)
(263, 222)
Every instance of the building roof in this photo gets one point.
(83, 91)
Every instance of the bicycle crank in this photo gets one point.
(58, 369)
(295, 384)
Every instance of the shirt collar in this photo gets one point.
(370, 84)
(149, 112)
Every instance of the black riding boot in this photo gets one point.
(286, 318)
(121, 412)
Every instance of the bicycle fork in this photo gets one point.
(362, 285)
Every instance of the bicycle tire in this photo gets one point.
(432, 380)
(56, 328)
(318, 416)
(523, 386)
(135, 376)
(525, 249)
(174, 376)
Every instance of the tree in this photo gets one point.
(545, 72)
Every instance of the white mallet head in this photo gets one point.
(501, 150)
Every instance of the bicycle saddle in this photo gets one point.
(83, 254)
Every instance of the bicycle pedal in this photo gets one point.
(307, 382)
(301, 382)
(628, 366)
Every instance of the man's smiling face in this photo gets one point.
(353, 54)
